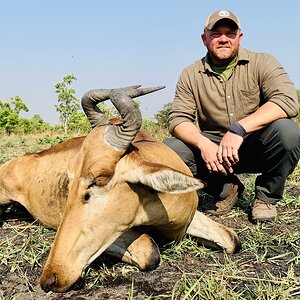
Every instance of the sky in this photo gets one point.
(117, 43)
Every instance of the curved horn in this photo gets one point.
(89, 103)
(91, 98)
(121, 135)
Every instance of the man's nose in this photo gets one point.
(223, 38)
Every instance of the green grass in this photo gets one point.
(25, 244)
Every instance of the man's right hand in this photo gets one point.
(209, 152)
(189, 133)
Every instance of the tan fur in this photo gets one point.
(96, 195)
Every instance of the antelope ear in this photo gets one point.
(167, 180)
(159, 177)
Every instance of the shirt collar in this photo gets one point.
(204, 63)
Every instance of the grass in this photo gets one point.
(25, 244)
(267, 266)
(14, 145)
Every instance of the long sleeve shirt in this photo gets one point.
(256, 79)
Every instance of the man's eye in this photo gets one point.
(231, 35)
(216, 34)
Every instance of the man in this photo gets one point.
(244, 103)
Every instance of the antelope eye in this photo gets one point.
(87, 196)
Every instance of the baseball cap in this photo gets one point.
(220, 15)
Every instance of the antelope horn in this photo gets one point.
(136, 91)
(121, 135)
(89, 103)
(91, 98)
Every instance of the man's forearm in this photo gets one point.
(266, 114)
(189, 133)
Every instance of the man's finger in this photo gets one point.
(235, 156)
(219, 155)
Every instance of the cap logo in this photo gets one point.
(223, 13)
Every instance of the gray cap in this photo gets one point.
(220, 15)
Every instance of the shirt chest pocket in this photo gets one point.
(250, 100)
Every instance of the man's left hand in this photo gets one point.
(228, 150)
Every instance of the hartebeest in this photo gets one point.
(107, 191)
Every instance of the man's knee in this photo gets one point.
(285, 132)
(179, 147)
(185, 153)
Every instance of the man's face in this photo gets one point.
(222, 43)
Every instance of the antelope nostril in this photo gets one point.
(48, 284)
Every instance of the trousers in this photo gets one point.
(272, 152)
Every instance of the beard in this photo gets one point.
(223, 55)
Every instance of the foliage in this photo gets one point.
(10, 121)
(9, 113)
(79, 123)
(48, 140)
(33, 125)
(162, 116)
(159, 126)
(68, 103)
(109, 112)
(71, 116)
(155, 129)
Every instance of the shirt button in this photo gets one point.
(228, 97)
(231, 115)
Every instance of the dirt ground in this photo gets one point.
(159, 284)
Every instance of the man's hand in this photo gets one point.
(227, 153)
(209, 151)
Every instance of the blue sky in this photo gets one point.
(115, 43)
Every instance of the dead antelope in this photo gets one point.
(107, 191)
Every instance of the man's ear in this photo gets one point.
(241, 35)
(203, 37)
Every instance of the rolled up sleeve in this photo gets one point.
(277, 87)
(184, 105)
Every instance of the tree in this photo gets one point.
(68, 103)
(79, 123)
(33, 125)
(9, 113)
(162, 116)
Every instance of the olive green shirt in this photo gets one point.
(256, 79)
(226, 70)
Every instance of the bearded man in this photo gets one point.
(231, 114)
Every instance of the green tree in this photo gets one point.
(9, 113)
(39, 125)
(79, 123)
(162, 116)
(33, 125)
(68, 103)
